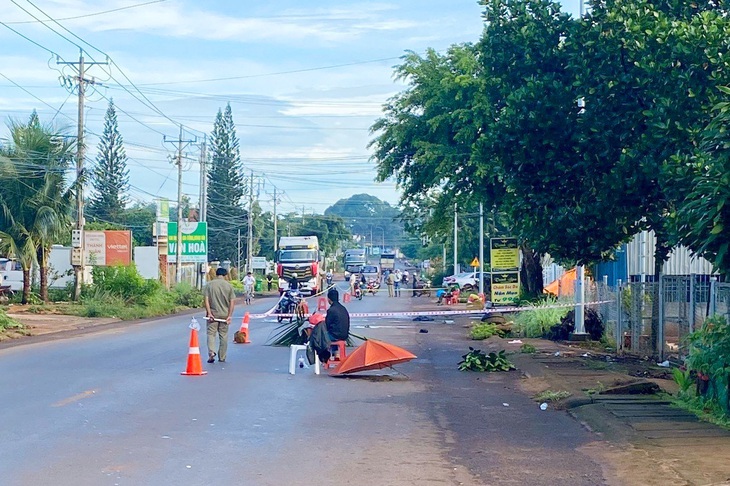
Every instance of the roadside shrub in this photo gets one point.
(237, 286)
(476, 360)
(483, 330)
(187, 295)
(708, 361)
(537, 322)
(126, 282)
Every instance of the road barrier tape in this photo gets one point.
(493, 310)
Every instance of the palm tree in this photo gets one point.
(36, 210)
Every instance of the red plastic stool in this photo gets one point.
(322, 304)
(341, 346)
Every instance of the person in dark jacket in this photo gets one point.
(337, 320)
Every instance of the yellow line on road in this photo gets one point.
(75, 398)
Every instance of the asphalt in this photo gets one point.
(109, 406)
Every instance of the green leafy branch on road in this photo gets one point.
(477, 360)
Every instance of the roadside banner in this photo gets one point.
(107, 248)
(163, 210)
(194, 247)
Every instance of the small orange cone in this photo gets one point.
(346, 298)
(195, 364)
(241, 336)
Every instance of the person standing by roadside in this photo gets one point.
(219, 305)
(269, 281)
(396, 283)
(390, 281)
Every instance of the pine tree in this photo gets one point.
(110, 178)
(226, 189)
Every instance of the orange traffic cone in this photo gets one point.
(241, 337)
(195, 364)
(346, 298)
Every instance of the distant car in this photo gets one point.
(465, 280)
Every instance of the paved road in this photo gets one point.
(111, 408)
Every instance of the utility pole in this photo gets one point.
(181, 144)
(481, 249)
(81, 81)
(203, 180)
(456, 239)
(276, 243)
(249, 250)
(238, 253)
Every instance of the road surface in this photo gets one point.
(111, 408)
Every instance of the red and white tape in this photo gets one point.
(493, 310)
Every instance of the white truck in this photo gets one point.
(299, 255)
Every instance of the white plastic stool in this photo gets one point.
(293, 351)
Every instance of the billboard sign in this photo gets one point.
(194, 247)
(107, 248)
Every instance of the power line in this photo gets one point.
(103, 12)
(294, 71)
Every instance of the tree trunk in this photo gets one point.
(531, 272)
(43, 271)
(26, 286)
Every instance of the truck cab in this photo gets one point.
(299, 255)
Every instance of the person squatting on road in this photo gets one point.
(337, 320)
(219, 305)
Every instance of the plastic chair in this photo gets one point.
(293, 352)
(341, 346)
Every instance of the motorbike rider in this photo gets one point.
(329, 277)
(293, 282)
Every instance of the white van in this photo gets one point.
(11, 273)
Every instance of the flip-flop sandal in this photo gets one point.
(211, 358)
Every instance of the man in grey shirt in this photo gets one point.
(219, 304)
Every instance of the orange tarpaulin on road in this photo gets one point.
(373, 355)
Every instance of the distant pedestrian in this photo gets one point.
(390, 281)
(219, 305)
(269, 281)
(415, 284)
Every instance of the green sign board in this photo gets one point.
(194, 248)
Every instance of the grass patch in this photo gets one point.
(528, 349)
(552, 396)
(707, 410)
(7, 322)
(537, 322)
(485, 330)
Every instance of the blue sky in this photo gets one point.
(310, 79)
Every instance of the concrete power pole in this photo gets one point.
(203, 180)
(78, 255)
(276, 243)
(249, 249)
(181, 144)
(456, 239)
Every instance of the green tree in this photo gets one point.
(366, 216)
(226, 189)
(35, 206)
(110, 178)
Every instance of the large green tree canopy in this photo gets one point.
(578, 131)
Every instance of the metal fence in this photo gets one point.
(654, 318)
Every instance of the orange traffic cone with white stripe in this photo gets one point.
(195, 364)
(241, 337)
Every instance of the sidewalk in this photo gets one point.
(650, 441)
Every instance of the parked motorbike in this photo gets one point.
(288, 304)
(358, 292)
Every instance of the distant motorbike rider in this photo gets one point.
(329, 277)
(293, 282)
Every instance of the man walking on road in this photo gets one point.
(219, 304)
